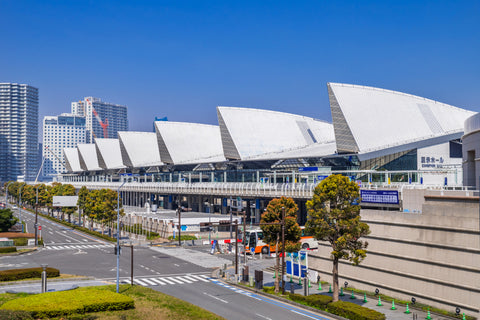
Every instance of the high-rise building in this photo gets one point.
(63, 131)
(18, 132)
(103, 119)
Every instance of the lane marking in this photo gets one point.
(303, 314)
(261, 316)
(217, 298)
(174, 279)
(158, 281)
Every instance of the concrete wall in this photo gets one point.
(433, 255)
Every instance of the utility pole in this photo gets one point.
(36, 217)
(20, 206)
(236, 247)
(179, 210)
(244, 240)
(283, 250)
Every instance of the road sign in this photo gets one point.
(252, 249)
(39, 227)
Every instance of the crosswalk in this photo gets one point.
(78, 246)
(164, 281)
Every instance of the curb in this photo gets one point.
(274, 297)
(9, 283)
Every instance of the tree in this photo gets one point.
(272, 232)
(7, 220)
(82, 198)
(334, 216)
(68, 190)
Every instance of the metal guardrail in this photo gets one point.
(238, 189)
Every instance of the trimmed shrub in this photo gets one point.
(270, 290)
(353, 311)
(318, 301)
(20, 242)
(19, 274)
(8, 249)
(15, 315)
(64, 303)
(183, 237)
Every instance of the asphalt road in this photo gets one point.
(188, 278)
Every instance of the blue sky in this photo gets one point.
(181, 59)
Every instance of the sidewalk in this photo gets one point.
(372, 302)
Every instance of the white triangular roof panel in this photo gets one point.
(369, 119)
(72, 160)
(251, 134)
(109, 155)
(189, 143)
(88, 157)
(139, 149)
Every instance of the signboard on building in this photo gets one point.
(64, 201)
(379, 196)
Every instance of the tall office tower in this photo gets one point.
(63, 131)
(103, 119)
(18, 132)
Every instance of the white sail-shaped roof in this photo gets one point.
(88, 157)
(254, 134)
(109, 154)
(72, 160)
(373, 120)
(139, 149)
(189, 143)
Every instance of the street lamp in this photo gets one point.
(36, 216)
(20, 206)
(118, 233)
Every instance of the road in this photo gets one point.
(189, 278)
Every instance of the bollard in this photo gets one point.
(309, 284)
(429, 317)
(274, 274)
(393, 305)
(299, 281)
(365, 297)
(408, 310)
(330, 289)
(319, 286)
(341, 292)
(352, 296)
(291, 278)
(463, 317)
(44, 278)
(379, 304)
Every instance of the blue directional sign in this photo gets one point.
(184, 228)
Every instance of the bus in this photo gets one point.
(254, 239)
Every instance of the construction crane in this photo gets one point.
(104, 125)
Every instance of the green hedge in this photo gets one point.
(183, 237)
(15, 315)
(8, 249)
(353, 311)
(318, 301)
(64, 303)
(19, 274)
(20, 242)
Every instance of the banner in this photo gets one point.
(379, 196)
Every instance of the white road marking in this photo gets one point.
(217, 298)
(140, 282)
(158, 281)
(305, 315)
(174, 279)
(149, 282)
(199, 278)
(258, 314)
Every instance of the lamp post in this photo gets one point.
(20, 206)
(36, 216)
(283, 250)
(118, 233)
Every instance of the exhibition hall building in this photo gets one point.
(376, 136)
